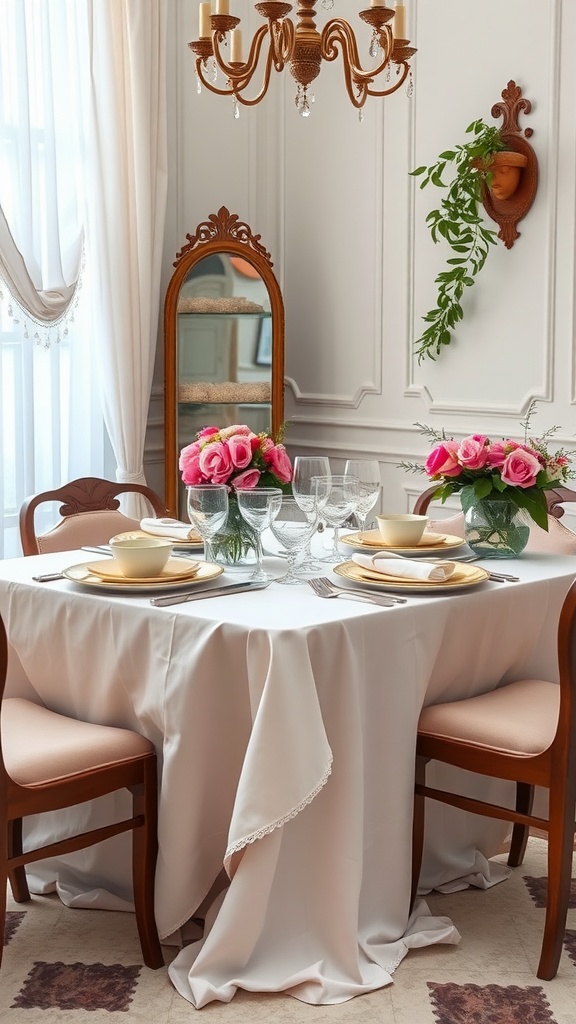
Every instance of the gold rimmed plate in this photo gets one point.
(81, 574)
(464, 575)
(175, 569)
(194, 543)
(431, 543)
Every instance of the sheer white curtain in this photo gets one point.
(127, 184)
(51, 426)
(82, 146)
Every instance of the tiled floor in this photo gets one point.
(80, 965)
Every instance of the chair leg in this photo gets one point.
(520, 833)
(3, 886)
(417, 829)
(17, 876)
(560, 853)
(144, 856)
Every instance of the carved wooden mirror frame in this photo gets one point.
(222, 233)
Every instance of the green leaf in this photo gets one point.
(482, 487)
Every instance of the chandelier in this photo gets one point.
(300, 46)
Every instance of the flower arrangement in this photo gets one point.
(235, 456)
(238, 457)
(516, 472)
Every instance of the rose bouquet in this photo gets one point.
(513, 472)
(238, 457)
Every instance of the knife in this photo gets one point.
(206, 592)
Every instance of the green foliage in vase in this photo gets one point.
(458, 222)
(236, 539)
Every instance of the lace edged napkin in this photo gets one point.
(171, 528)
(405, 568)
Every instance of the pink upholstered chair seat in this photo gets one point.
(57, 747)
(520, 718)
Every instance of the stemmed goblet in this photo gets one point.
(343, 499)
(208, 512)
(367, 472)
(259, 507)
(309, 495)
(293, 527)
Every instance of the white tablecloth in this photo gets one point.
(285, 728)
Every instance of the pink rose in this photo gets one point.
(496, 453)
(520, 468)
(207, 432)
(246, 481)
(215, 462)
(472, 452)
(443, 460)
(189, 466)
(277, 461)
(240, 450)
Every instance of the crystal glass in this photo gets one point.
(309, 495)
(367, 472)
(293, 528)
(343, 499)
(208, 512)
(259, 507)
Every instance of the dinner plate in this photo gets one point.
(194, 544)
(175, 569)
(464, 575)
(431, 543)
(82, 575)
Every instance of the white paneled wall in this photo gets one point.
(345, 223)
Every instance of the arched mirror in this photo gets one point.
(223, 341)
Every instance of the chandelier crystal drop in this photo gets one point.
(298, 44)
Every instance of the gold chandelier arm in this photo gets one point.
(399, 80)
(282, 36)
(337, 31)
(240, 74)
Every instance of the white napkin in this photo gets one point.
(168, 528)
(407, 568)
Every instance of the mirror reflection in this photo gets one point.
(224, 347)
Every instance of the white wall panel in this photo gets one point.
(344, 222)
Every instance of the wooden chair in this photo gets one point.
(558, 539)
(525, 731)
(90, 514)
(49, 761)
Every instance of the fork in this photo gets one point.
(323, 587)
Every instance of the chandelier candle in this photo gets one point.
(204, 20)
(399, 23)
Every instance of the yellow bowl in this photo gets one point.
(399, 530)
(141, 556)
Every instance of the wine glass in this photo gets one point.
(208, 511)
(343, 499)
(367, 472)
(306, 470)
(293, 527)
(259, 507)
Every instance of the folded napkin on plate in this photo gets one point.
(405, 568)
(168, 528)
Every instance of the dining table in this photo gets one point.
(285, 728)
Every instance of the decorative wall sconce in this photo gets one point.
(514, 174)
(299, 46)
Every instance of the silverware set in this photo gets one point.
(323, 587)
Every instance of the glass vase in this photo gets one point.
(235, 543)
(496, 529)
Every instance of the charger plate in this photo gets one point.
(431, 543)
(175, 569)
(81, 574)
(464, 575)
(195, 543)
